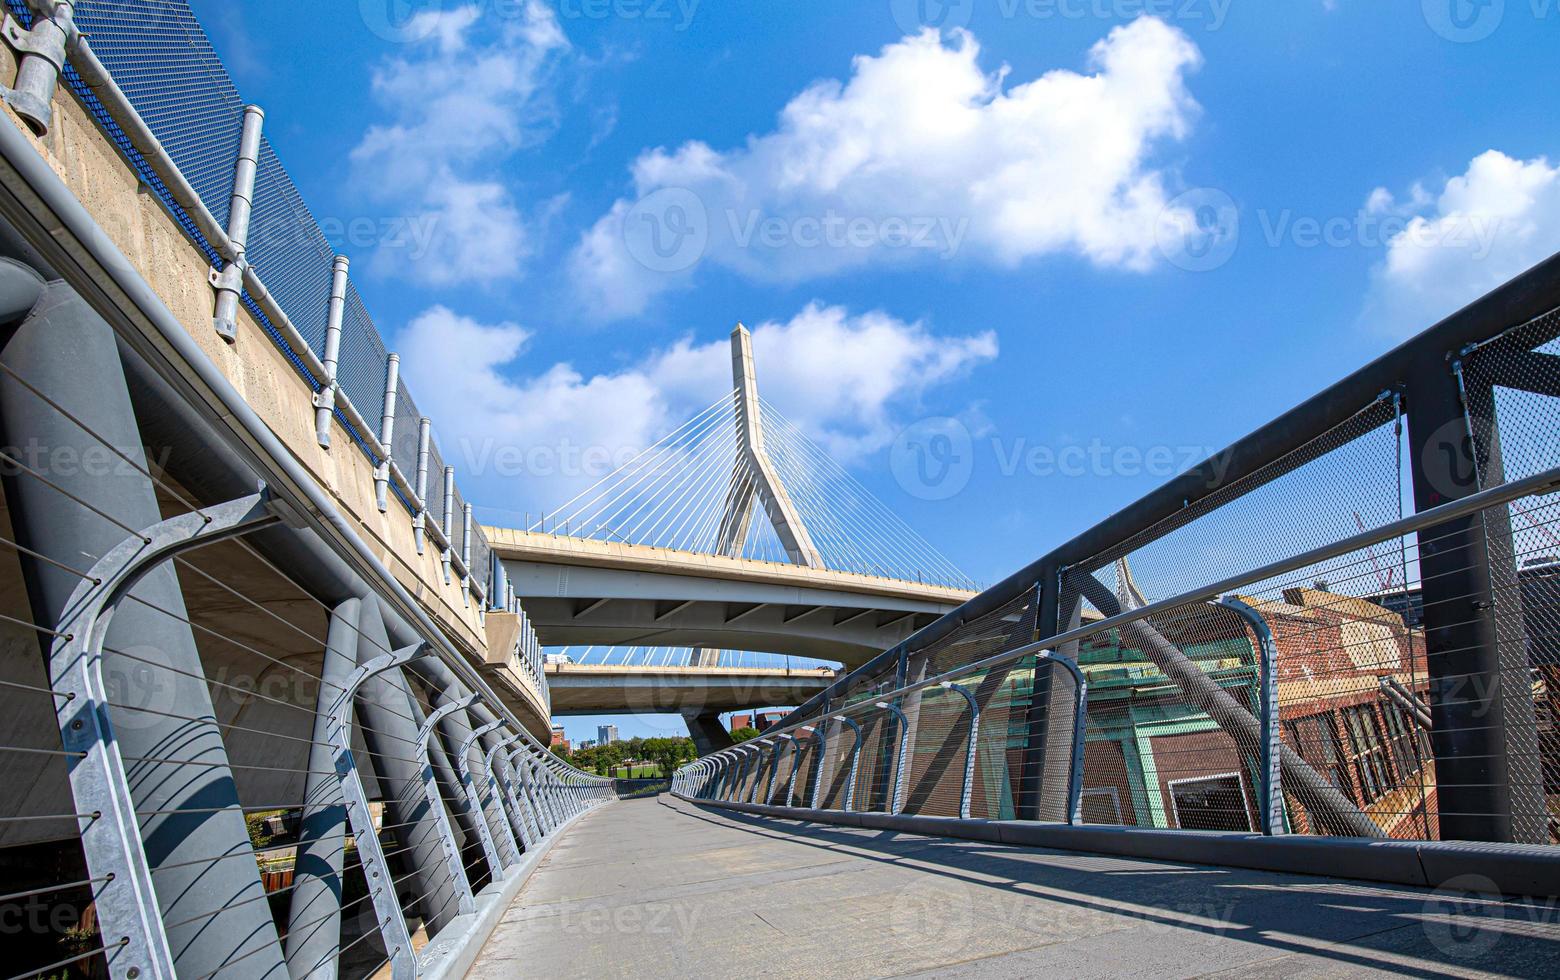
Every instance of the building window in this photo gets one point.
(1316, 739)
(1102, 805)
(1369, 752)
(1403, 734)
(1210, 803)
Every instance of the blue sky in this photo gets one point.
(1143, 236)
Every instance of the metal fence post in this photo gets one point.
(41, 58)
(229, 281)
(325, 398)
(465, 553)
(855, 760)
(1080, 729)
(424, 456)
(970, 748)
(387, 432)
(896, 802)
(448, 521)
(819, 734)
(1272, 816)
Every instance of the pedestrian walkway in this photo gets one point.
(662, 888)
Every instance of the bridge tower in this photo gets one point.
(753, 482)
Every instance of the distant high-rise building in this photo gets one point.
(606, 734)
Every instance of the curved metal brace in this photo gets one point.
(381, 884)
(745, 756)
(971, 744)
(1080, 730)
(855, 761)
(539, 791)
(774, 767)
(533, 817)
(820, 733)
(507, 788)
(896, 801)
(473, 800)
(1272, 816)
(796, 765)
(759, 751)
(128, 912)
(467, 900)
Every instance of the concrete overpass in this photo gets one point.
(585, 592)
(590, 689)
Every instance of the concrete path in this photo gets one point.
(659, 888)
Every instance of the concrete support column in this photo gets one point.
(195, 837)
(708, 734)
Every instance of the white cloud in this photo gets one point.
(1486, 226)
(467, 93)
(920, 153)
(846, 379)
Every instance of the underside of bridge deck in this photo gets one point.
(665, 888)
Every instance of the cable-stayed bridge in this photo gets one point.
(269, 707)
(734, 534)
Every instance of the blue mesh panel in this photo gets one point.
(162, 59)
(364, 360)
(289, 251)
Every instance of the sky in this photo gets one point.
(1066, 247)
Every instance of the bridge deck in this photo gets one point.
(664, 889)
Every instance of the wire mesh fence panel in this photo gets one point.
(940, 720)
(481, 560)
(1174, 737)
(290, 252)
(1344, 481)
(408, 436)
(1520, 370)
(161, 58)
(364, 360)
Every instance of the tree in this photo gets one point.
(561, 752)
(744, 734)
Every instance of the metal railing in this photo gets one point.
(170, 107)
(1343, 625)
(234, 744)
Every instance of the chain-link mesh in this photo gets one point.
(1521, 372)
